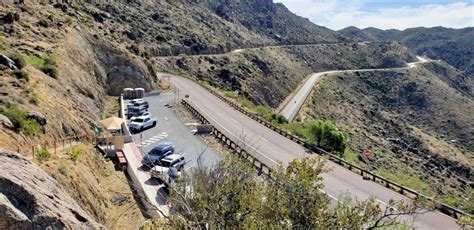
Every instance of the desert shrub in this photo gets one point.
(326, 135)
(50, 70)
(229, 94)
(20, 74)
(247, 104)
(63, 169)
(43, 23)
(34, 99)
(30, 127)
(412, 182)
(35, 61)
(75, 153)
(43, 155)
(19, 60)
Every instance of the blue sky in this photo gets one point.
(390, 14)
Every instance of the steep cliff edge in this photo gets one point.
(30, 199)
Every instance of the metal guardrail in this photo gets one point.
(444, 208)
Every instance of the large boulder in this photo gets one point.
(31, 199)
(39, 117)
(6, 122)
(6, 61)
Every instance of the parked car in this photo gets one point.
(157, 153)
(142, 123)
(143, 114)
(135, 111)
(140, 104)
(171, 161)
(133, 102)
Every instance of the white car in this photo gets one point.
(133, 102)
(143, 115)
(173, 160)
(141, 123)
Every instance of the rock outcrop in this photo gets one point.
(31, 199)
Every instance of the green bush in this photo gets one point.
(75, 153)
(229, 94)
(43, 23)
(43, 155)
(3, 45)
(30, 127)
(20, 74)
(50, 70)
(326, 135)
(35, 61)
(247, 104)
(14, 114)
(19, 60)
(270, 115)
(34, 98)
(63, 169)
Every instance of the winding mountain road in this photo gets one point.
(293, 106)
(272, 149)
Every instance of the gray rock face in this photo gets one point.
(39, 117)
(4, 60)
(6, 122)
(31, 199)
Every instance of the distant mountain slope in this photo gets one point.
(163, 28)
(417, 122)
(455, 46)
(272, 20)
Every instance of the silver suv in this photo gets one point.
(171, 161)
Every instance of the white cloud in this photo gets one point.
(338, 14)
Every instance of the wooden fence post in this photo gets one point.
(33, 151)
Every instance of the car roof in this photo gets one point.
(172, 157)
(162, 146)
(143, 116)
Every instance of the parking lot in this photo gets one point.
(169, 128)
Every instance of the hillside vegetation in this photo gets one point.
(418, 123)
(454, 46)
(266, 76)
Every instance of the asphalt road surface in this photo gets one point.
(293, 106)
(272, 148)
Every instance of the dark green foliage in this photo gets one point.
(19, 60)
(20, 74)
(43, 23)
(326, 135)
(50, 70)
(321, 133)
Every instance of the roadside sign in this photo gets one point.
(367, 153)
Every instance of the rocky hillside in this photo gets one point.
(418, 123)
(30, 199)
(451, 45)
(266, 76)
(56, 73)
(163, 28)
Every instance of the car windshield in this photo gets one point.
(166, 164)
(139, 120)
